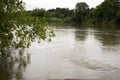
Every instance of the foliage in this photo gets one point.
(118, 17)
(52, 15)
(39, 12)
(106, 12)
(81, 10)
(18, 29)
(54, 19)
(60, 12)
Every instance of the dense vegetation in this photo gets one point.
(108, 12)
(53, 15)
(18, 29)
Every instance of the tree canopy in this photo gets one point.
(106, 12)
(81, 10)
(18, 29)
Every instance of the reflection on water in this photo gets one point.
(77, 54)
(101, 50)
(13, 66)
(73, 54)
(108, 39)
(80, 35)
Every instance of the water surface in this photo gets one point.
(74, 54)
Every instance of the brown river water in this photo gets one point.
(73, 54)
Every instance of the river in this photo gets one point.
(73, 54)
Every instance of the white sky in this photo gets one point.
(49, 4)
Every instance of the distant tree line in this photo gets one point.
(108, 12)
(53, 15)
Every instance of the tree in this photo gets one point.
(106, 12)
(81, 10)
(118, 17)
(18, 29)
(39, 12)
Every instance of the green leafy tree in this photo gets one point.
(58, 15)
(81, 10)
(39, 12)
(18, 29)
(106, 12)
(118, 18)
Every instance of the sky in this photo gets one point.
(49, 4)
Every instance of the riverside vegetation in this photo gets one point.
(108, 12)
(73, 53)
(18, 27)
